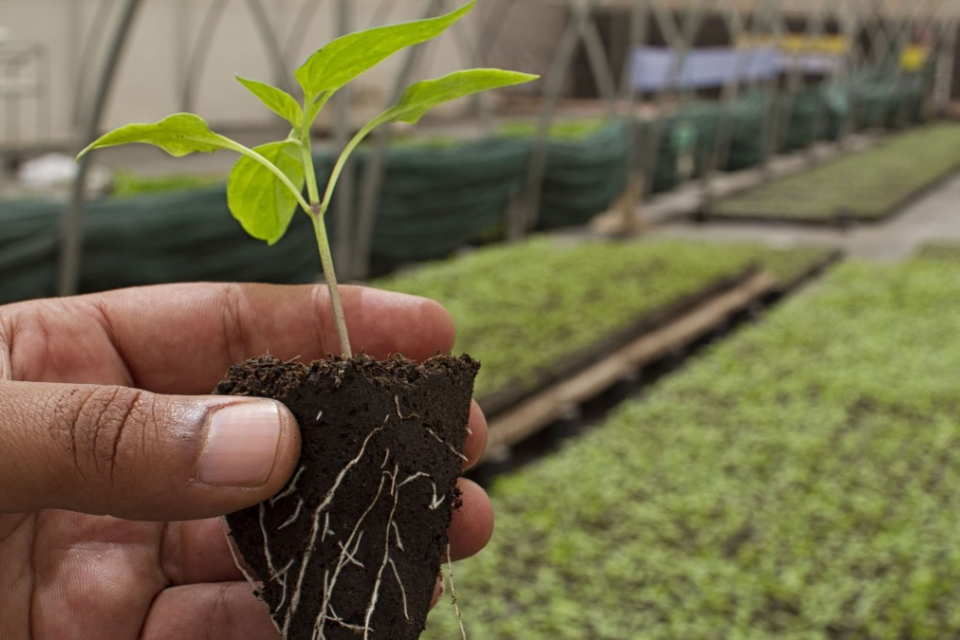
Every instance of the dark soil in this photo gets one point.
(353, 546)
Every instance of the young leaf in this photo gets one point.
(258, 199)
(277, 100)
(347, 57)
(427, 94)
(178, 135)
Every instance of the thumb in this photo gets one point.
(138, 455)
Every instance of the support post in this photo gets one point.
(71, 226)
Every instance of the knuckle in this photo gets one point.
(104, 430)
(231, 304)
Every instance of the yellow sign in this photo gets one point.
(914, 58)
(798, 44)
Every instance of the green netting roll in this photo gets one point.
(687, 140)
(836, 113)
(187, 236)
(176, 237)
(583, 176)
(28, 249)
(748, 135)
(436, 200)
(888, 98)
(803, 119)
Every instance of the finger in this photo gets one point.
(181, 338)
(225, 611)
(198, 551)
(472, 524)
(137, 455)
(476, 442)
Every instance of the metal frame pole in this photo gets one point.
(199, 53)
(636, 181)
(374, 173)
(274, 51)
(736, 24)
(681, 39)
(298, 32)
(346, 188)
(85, 57)
(943, 85)
(71, 226)
(580, 27)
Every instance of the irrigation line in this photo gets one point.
(71, 226)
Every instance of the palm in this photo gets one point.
(81, 576)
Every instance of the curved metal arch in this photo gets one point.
(268, 34)
(87, 51)
(298, 32)
(199, 53)
(71, 226)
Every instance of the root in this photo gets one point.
(453, 595)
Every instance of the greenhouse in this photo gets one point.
(488, 319)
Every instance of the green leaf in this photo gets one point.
(427, 94)
(179, 135)
(347, 57)
(277, 100)
(258, 199)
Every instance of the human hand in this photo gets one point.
(109, 491)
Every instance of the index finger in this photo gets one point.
(180, 339)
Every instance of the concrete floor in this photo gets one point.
(933, 217)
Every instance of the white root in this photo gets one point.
(453, 595)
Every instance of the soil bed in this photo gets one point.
(353, 545)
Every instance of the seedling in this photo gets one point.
(351, 547)
(265, 187)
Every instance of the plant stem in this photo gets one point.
(317, 212)
(326, 259)
(306, 154)
(342, 160)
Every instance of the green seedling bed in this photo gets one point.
(865, 186)
(940, 251)
(533, 313)
(800, 480)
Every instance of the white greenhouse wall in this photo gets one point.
(150, 79)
